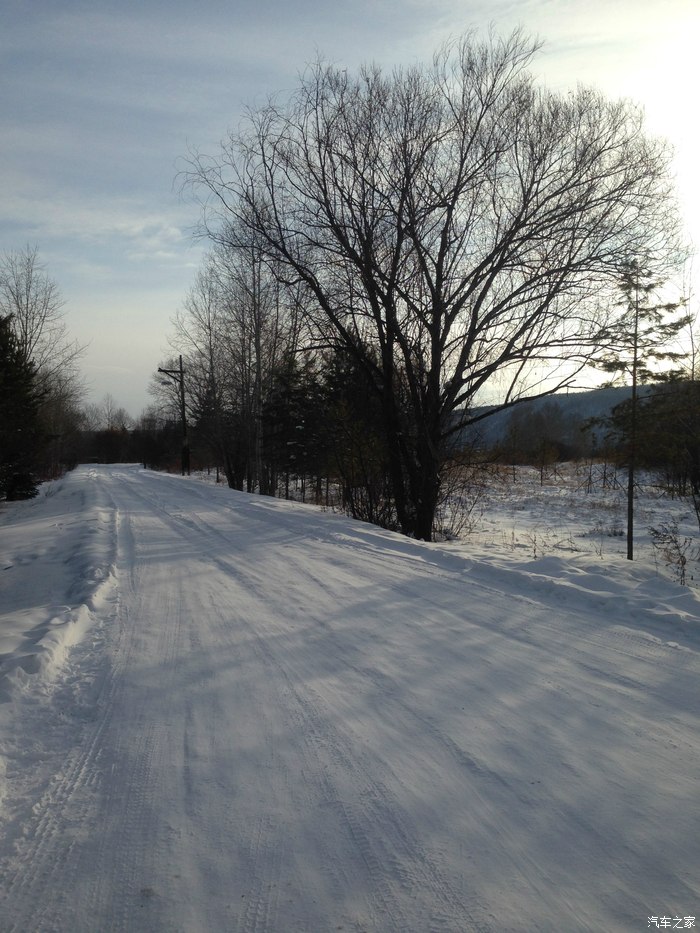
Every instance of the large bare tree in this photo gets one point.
(452, 224)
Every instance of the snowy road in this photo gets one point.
(280, 720)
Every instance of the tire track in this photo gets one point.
(44, 854)
(396, 864)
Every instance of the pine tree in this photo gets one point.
(20, 434)
(638, 341)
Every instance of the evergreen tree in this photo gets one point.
(638, 339)
(669, 436)
(20, 435)
(293, 416)
(357, 453)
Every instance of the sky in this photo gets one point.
(101, 101)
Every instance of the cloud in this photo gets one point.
(101, 98)
(127, 227)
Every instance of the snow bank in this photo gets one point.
(56, 570)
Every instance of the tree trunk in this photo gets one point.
(633, 434)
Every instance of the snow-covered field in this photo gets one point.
(220, 712)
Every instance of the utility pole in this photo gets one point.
(178, 376)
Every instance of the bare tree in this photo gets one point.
(91, 418)
(233, 330)
(34, 306)
(114, 416)
(200, 333)
(451, 225)
(34, 302)
(260, 328)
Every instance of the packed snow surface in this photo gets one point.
(222, 712)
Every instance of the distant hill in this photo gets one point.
(571, 407)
